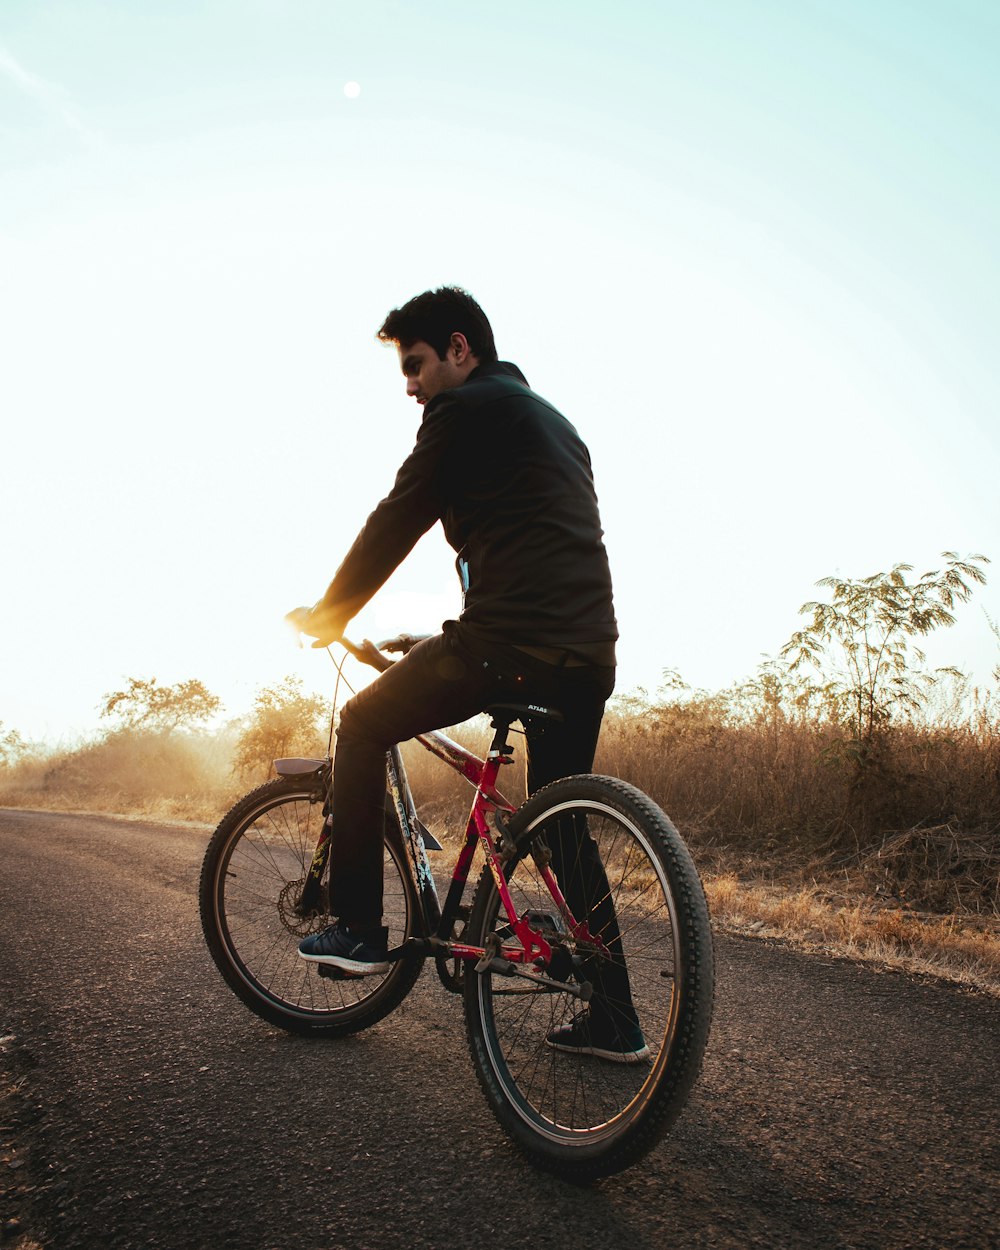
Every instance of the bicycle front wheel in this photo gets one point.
(251, 883)
(587, 1071)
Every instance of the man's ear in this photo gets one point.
(459, 345)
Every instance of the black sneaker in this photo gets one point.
(357, 955)
(589, 1035)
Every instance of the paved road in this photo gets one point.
(839, 1106)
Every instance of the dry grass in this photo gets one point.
(779, 791)
(965, 949)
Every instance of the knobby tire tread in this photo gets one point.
(583, 1164)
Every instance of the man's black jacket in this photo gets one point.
(511, 482)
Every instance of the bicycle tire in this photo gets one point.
(254, 867)
(575, 1114)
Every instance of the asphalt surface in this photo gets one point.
(141, 1105)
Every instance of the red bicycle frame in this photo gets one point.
(534, 948)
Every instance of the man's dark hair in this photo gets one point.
(434, 317)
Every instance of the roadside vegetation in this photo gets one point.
(846, 797)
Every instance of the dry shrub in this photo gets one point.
(938, 869)
(781, 783)
(724, 778)
(157, 774)
(285, 721)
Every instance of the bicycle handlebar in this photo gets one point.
(367, 652)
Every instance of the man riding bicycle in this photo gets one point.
(510, 480)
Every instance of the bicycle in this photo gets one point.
(622, 930)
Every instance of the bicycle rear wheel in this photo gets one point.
(624, 868)
(251, 880)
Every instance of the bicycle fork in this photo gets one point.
(311, 899)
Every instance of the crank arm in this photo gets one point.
(507, 969)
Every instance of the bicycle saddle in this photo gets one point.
(524, 712)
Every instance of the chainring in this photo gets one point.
(451, 973)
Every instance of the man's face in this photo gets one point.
(427, 375)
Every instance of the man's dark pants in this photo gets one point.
(442, 681)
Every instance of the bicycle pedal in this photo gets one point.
(337, 974)
(495, 963)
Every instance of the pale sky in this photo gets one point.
(748, 248)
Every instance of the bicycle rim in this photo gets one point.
(572, 1109)
(259, 868)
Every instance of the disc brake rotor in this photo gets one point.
(301, 926)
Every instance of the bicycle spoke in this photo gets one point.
(255, 869)
(613, 880)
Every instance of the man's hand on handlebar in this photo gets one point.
(316, 623)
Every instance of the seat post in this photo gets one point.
(500, 748)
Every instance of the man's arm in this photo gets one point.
(415, 502)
